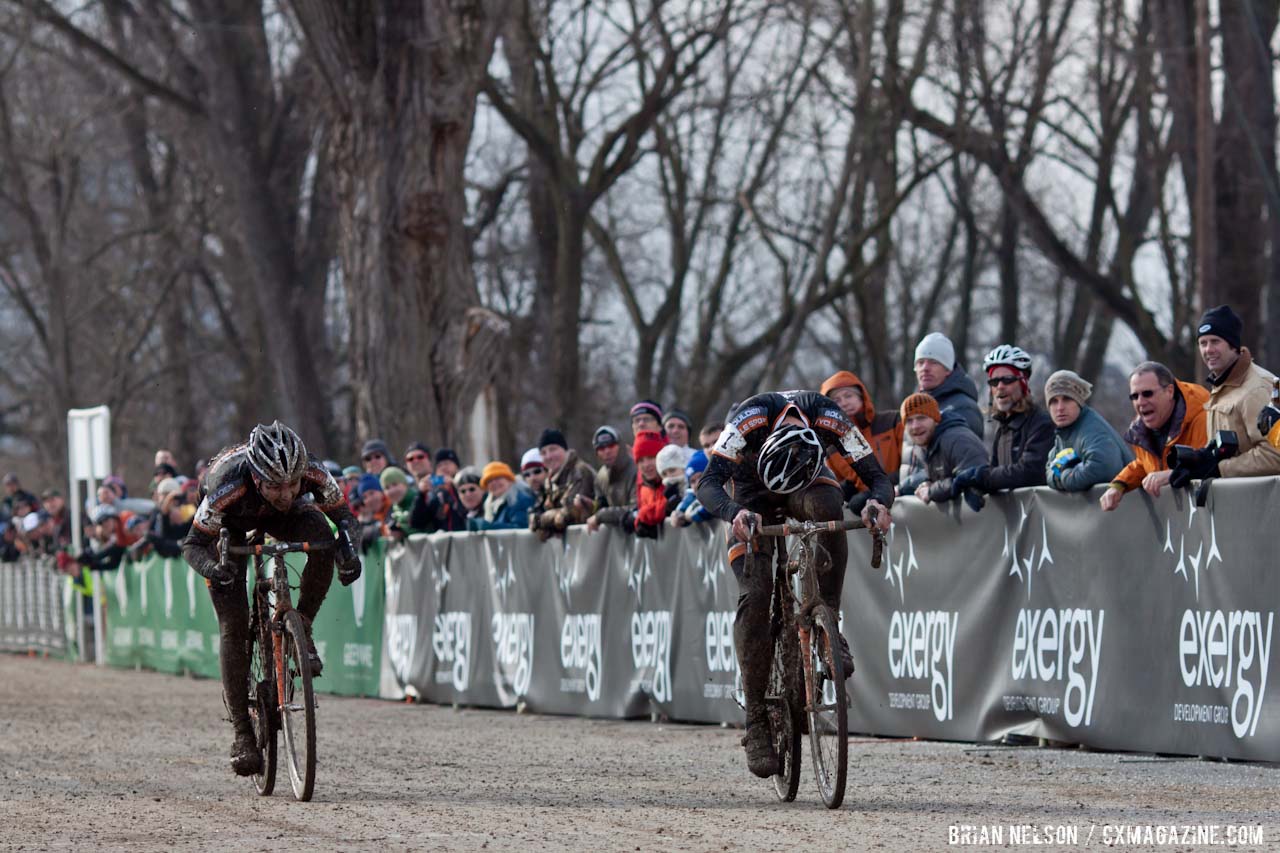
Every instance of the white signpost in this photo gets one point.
(88, 461)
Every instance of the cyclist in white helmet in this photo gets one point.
(1024, 430)
(270, 484)
(774, 451)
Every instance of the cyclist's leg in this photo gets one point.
(754, 647)
(231, 604)
(306, 523)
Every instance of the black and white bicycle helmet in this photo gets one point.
(276, 453)
(1008, 355)
(790, 459)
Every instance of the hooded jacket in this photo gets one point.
(1102, 453)
(1234, 404)
(1186, 426)
(883, 431)
(952, 448)
(958, 393)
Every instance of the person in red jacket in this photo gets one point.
(651, 499)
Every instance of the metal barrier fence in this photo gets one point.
(37, 608)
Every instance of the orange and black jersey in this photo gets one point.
(232, 500)
(735, 455)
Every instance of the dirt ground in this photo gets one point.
(99, 759)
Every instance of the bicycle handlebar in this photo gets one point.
(808, 528)
(279, 548)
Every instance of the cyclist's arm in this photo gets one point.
(200, 548)
(711, 489)
(877, 481)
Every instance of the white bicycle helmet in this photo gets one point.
(1008, 355)
(276, 453)
(790, 459)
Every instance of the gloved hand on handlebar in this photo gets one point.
(348, 557)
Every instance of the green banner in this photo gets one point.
(159, 616)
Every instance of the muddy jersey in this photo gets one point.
(734, 457)
(232, 500)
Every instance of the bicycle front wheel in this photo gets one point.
(828, 706)
(298, 708)
(262, 704)
(785, 703)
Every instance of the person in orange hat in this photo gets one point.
(948, 446)
(507, 505)
(883, 431)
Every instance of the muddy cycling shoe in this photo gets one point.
(846, 657)
(246, 759)
(313, 656)
(762, 759)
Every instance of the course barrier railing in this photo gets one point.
(1146, 629)
(37, 608)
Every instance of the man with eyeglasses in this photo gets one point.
(534, 473)
(375, 456)
(417, 459)
(1024, 432)
(1168, 412)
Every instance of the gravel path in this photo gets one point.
(98, 759)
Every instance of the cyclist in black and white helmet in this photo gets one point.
(270, 484)
(774, 450)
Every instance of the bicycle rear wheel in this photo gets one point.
(785, 705)
(298, 708)
(828, 706)
(262, 705)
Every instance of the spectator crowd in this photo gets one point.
(936, 445)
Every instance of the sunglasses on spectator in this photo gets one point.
(1145, 393)
(533, 472)
(374, 456)
(415, 457)
(1002, 380)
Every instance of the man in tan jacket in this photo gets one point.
(1238, 391)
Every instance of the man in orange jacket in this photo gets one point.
(883, 431)
(1169, 412)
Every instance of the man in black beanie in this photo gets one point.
(1238, 390)
(570, 490)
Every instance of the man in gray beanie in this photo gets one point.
(1086, 449)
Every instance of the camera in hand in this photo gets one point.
(1189, 463)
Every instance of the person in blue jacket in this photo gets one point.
(508, 503)
(1086, 449)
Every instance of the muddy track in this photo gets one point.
(97, 759)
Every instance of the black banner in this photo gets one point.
(1146, 629)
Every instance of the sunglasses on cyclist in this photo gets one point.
(1145, 393)
(1002, 380)
(533, 472)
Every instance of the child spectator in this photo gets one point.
(671, 463)
(401, 496)
(373, 510)
(651, 498)
(690, 510)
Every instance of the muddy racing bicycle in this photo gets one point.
(806, 691)
(281, 697)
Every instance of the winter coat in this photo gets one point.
(560, 505)
(1020, 449)
(616, 488)
(1186, 426)
(882, 431)
(401, 513)
(958, 393)
(509, 512)
(1234, 404)
(438, 511)
(1101, 451)
(952, 448)
(651, 507)
(692, 508)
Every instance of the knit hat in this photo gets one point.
(551, 435)
(351, 471)
(678, 415)
(647, 407)
(938, 347)
(445, 454)
(470, 474)
(669, 457)
(493, 471)
(841, 379)
(697, 464)
(1067, 383)
(392, 476)
(1224, 323)
(921, 404)
(375, 445)
(605, 436)
(368, 483)
(648, 444)
(532, 459)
